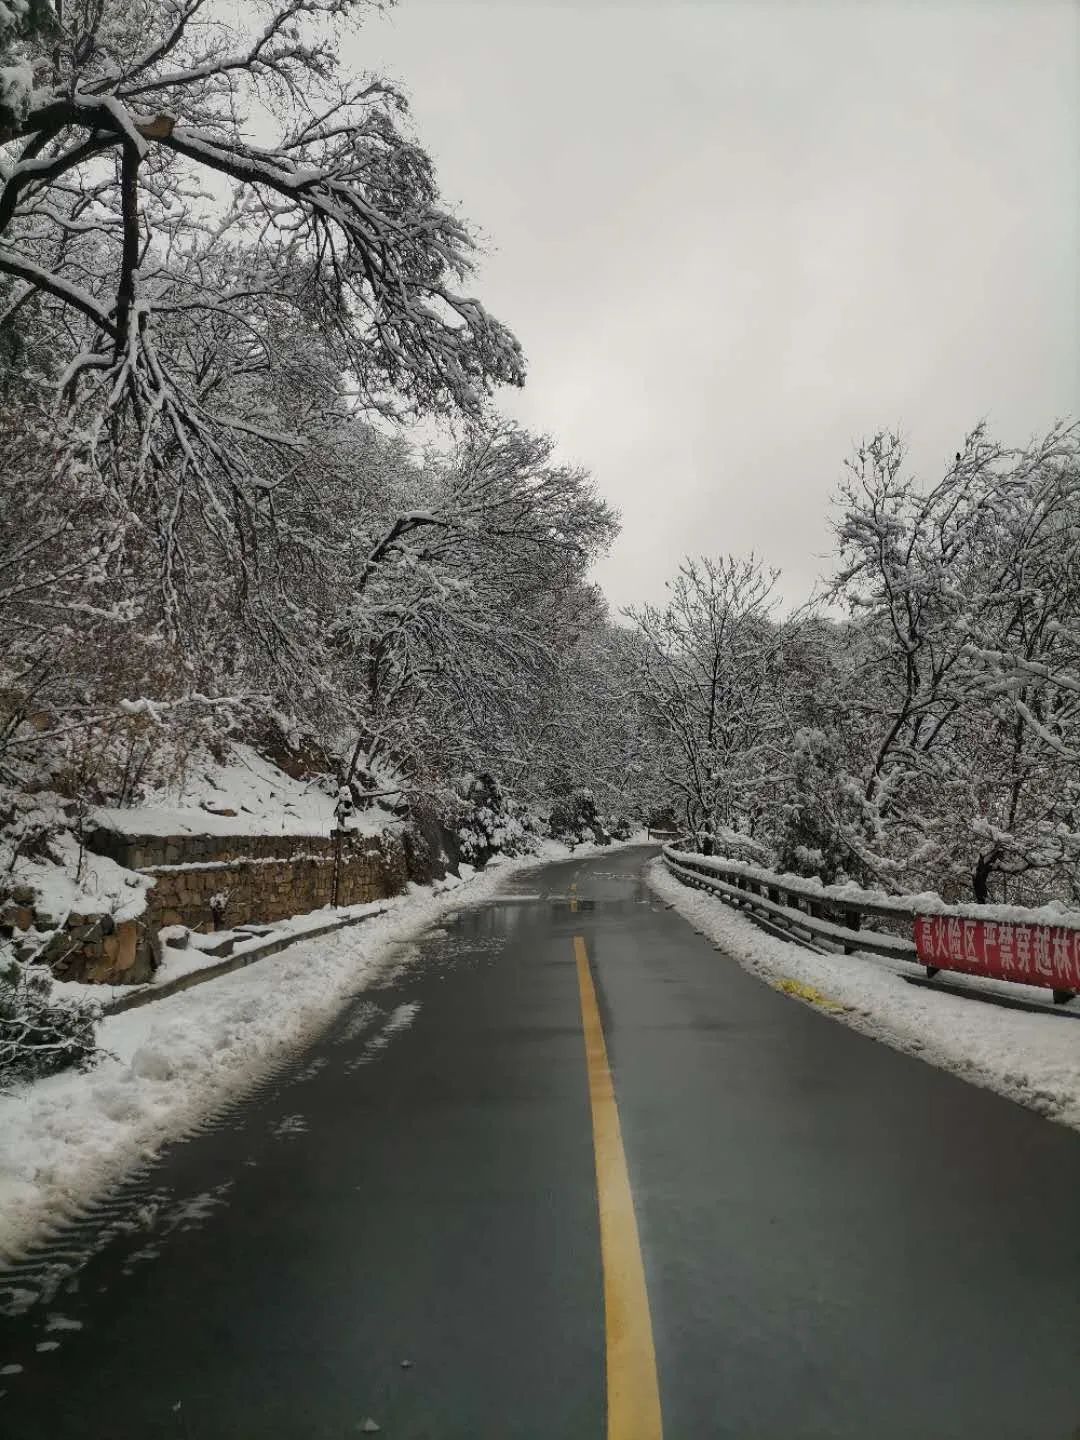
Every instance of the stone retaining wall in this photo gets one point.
(218, 893)
(87, 947)
(209, 882)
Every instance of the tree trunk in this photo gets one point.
(980, 881)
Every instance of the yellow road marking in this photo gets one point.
(802, 991)
(573, 896)
(633, 1396)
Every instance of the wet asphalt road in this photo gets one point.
(838, 1240)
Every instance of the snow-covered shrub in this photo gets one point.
(819, 804)
(574, 820)
(20, 22)
(219, 903)
(40, 1034)
(490, 823)
(735, 845)
(430, 838)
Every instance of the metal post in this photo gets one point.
(854, 922)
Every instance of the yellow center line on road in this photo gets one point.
(633, 1395)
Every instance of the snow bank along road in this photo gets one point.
(800, 1232)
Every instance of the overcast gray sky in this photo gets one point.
(735, 237)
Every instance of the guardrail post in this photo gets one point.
(853, 922)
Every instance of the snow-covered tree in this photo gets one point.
(220, 256)
(931, 738)
(1021, 684)
(25, 25)
(954, 591)
(451, 611)
(184, 184)
(709, 678)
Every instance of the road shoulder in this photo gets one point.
(1031, 1059)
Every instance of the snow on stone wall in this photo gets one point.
(204, 882)
(264, 878)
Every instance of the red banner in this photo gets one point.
(1002, 949)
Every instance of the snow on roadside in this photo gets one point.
(179, 961)
(168, 1064)
(67, 1138)
(263, 799)
(1032, 1059)
(75, 880)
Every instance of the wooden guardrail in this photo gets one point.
(952, 938)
